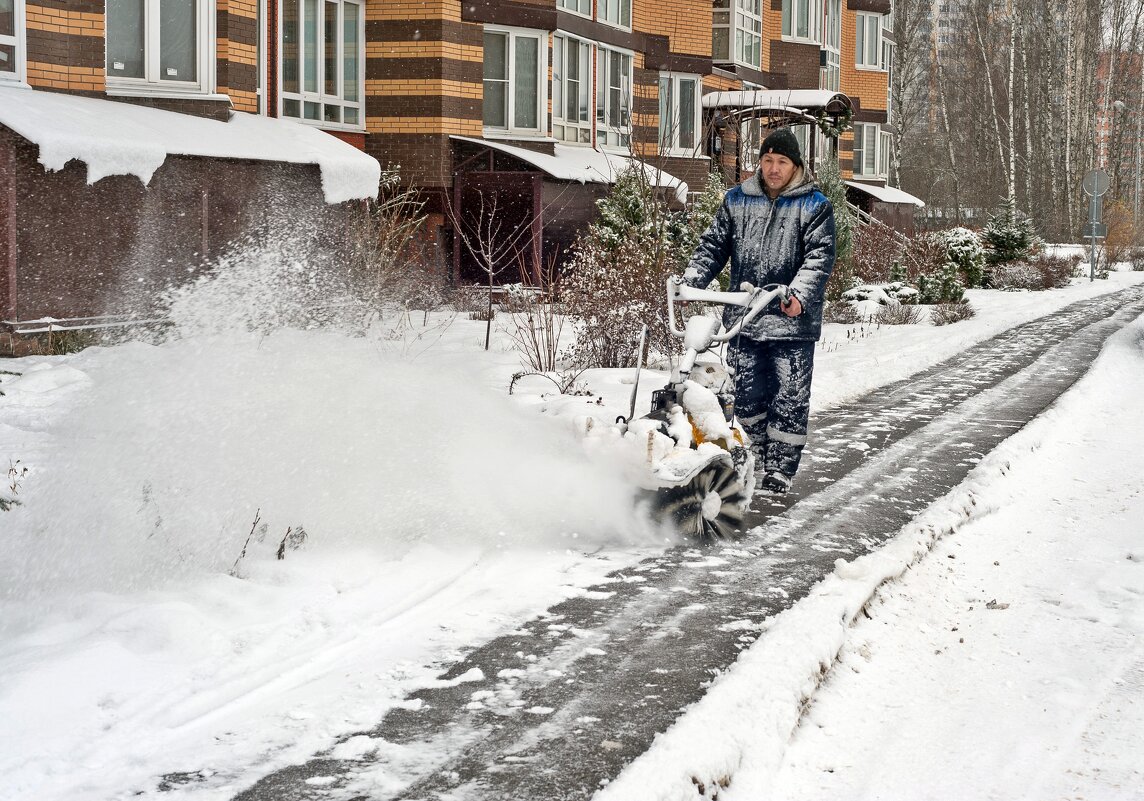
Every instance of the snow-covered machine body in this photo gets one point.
(689, 453)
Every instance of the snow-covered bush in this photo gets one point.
(1044, 272)
(1017, 275)
(942, 286)
(1010, 235)
(1137, 258)
(614, 282)
(1056, 270)
(946, 313)
(964, 249)
(841, 311)
(924, 254)
(699, 216)
(898, 314)
(534, 324)
(877, 248)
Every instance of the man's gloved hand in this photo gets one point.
(791, 307)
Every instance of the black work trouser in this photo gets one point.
(772, 399)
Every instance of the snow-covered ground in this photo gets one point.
(137, 641)
(993, 650)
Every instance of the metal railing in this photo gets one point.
(53, 325)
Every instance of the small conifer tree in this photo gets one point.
(832, 185)
(966, 252)
(614, 282)
(1010, 235)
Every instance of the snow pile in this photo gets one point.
(176, 449)
(114, 138)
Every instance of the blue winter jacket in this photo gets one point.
(786, 241)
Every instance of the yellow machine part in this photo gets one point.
(698, 438)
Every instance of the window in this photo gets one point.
(512, 79)
(832, 72)
(615, 12)
(748, 32)
(12, 62)
(831, 77)
(159, 44)
(737, 35)
(802, 19)
(583, 7)
(613, 97)
(323, 64)
(678, 113)
(721, 30)
(868, 47)
(871, 150)
(571, 89)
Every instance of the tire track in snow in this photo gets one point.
(575, 695)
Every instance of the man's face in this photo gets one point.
(777, 171)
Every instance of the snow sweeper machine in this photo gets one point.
(689, 455)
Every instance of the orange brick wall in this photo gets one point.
(772, 32)
(686, 23)
(868, 86)
(65, 47)
(236, 49)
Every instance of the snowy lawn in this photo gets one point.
(135, 641)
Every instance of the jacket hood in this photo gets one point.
(801, 183)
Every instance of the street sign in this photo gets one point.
(1095, 230)
(1095, 183)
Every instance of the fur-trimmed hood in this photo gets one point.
(801, 181)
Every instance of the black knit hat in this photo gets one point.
(783, 143)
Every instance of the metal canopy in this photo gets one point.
(793, 102)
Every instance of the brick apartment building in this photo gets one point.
(537, 103)
(133, 151)
(530, 107)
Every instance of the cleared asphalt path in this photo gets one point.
(573, 696)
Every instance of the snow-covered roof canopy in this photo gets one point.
(584, 165)
(800, 100)
(115, 138)
(886, 194)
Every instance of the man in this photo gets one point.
(775, 228)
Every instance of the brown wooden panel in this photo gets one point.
(449, 69)
(875, 6)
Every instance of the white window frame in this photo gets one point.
(581, 8)
(608, 136)
(261, 57)
(152, 84)
(541, 37)
(669, 127)
(318, 96)
(18, 42)
(867, 53)
(870, 141)
(831, 73)
(617, 13)
(721, 26)
(577, 131)
(741, 22)
(792, 19)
